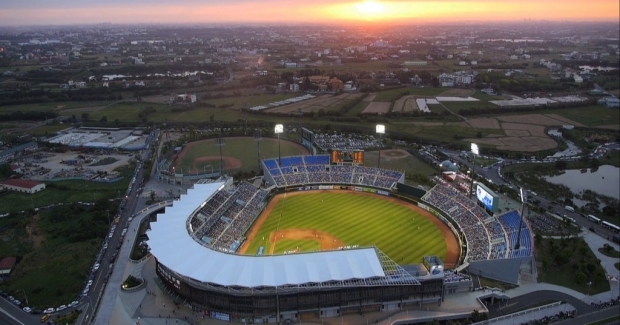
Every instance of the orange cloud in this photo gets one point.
(309, 11)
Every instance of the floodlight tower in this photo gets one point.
(257, 138)
(380, 130)
(474, 151)
(220, 142)
(523, 202)
(279, 129)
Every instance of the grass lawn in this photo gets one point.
(58, 106)
(358, 108)
(486, 282)
(612, 158)
(445, 133)
(410, 165)
(570, 263)
(65, 192)
(244, 149)
(56, 249)
(456, 107)
(427, 91)
(391, 95)
(356, 219)
(588, 115)
(46, 130)
(611, 252)
(128, 112)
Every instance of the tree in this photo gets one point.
(580, 278)
(152, 195)
(103, 119)
(561, 165)
(84, 116)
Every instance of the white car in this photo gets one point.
(73, 304)
(27, 309)
(89, 283)
(96, 267)
(49, 311)
(62, 307)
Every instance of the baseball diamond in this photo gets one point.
(301, 221)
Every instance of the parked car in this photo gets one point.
(73, 304)
(96, 267)
(44, 318)
(27, 309)
(49, 311)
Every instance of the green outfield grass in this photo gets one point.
(355, 219)
(244, 149)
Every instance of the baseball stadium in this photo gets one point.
(325, 236)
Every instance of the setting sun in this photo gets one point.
(370, 8)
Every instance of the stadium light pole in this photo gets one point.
(474, 151)
(523, 202)
(220, 142)
(279, 129)
(257, 138)
(380, 130)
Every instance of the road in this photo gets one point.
(11, 314)
(493, 174)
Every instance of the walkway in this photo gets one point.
(151, 305)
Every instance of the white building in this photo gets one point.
(23, 185)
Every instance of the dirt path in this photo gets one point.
(326, 240)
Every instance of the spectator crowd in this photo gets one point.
(303, 170)
(226, 216)
(487, 237)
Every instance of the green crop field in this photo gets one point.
(355, 219)
(242, 148)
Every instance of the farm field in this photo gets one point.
(325, 102)
(377, 108)
(239, 154)
(303, 221)
(54, 106)
(405, 104)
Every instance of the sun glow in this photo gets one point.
(370, 8)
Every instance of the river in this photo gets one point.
(603, 180)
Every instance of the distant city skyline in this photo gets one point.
(44, 12)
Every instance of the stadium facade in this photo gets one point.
(228, 286)
(195, 240)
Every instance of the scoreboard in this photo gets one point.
(347, 157)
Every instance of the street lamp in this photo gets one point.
(380, 129)
(279, 129)
(24, 292)
(474, 151)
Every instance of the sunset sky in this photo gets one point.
(37, 12)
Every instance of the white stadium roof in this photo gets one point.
(173, 246)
